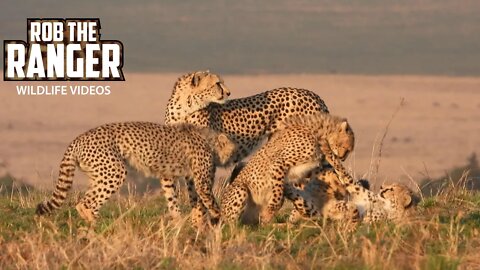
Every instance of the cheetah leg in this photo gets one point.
(168, 187)
(305, 207)
(199, 212)
(337, 165)
(84, 207)
(234, 202)
(203, 178)
(275, 201)
(104, 182)
(294, 216)
(342, 211)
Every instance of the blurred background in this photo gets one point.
(438, 37)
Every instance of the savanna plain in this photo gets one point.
(418, 130)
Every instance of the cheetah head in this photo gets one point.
(401, 197)
(202, 88)
(343, 141)
(193, 92)
(222, 146)
(225, 149)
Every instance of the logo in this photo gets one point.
(63, 50)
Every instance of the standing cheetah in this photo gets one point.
(294, 150)
(191, 93)
(165, 152)
(245, 120)
(199, 98)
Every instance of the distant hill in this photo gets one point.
(278, 36)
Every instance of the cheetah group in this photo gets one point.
(295, 150)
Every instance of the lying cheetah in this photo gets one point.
(294, 150)
(166, 152)
(327, 195)
(398, 202)
(245, 120)
(392, 202)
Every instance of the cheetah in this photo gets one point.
(247, 121)
(392, 202)
(161, 151)
(323, 189)
(327, 195)
(294, 150)
(373, 207)
(191, 93)
(199, 98)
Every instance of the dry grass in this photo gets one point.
(133, 233)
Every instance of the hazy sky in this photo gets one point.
(360, 37)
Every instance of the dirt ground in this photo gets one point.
(435, 130)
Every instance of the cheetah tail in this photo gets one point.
(64, 183)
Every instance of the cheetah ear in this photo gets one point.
(407, 198)
(344, 125)
(197, 76)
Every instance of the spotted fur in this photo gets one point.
(292, 152)
(354, 201)
(165, 152)
(199, 98)
(392, 202)
(247, 121)
(327, 195)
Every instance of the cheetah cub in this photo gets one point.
(327, 195)
(164, 152)
(298, 147)
(392, 202)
